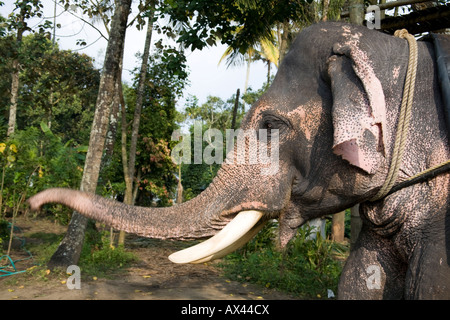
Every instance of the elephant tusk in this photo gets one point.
(235, 234)
(238, 244)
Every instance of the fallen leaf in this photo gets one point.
(11, 290)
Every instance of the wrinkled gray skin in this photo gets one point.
(335, 101)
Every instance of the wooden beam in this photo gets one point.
(431, 19)
(389, 5)
(399, 3)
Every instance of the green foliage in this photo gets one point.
(217, 114)
(58, 87)
(214, 113)
(98, 256)
(156, 182)
(157, 175)
(43, 246)
(57, 95)
(206, 21)
(307, 268)
(167, 77)
(35, 159)
(25, 10)
(4, 233)
(197, 177)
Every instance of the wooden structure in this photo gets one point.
(429, 19)
(426, 15)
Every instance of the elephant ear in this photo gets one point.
(359, 110)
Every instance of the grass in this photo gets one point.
(306, 268)
(98, 258)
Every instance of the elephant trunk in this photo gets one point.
(201, 217)
(181, 221)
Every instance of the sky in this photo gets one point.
(206, 77)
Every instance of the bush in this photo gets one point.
(33, 160)
(307, 268)
(4, 234)
(99, 256)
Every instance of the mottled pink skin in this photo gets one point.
(336, 101)
(349, 140)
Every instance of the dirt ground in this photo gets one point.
(152, 277)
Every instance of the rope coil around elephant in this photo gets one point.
(402, 129)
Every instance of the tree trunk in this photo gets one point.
(14, 94)
(136, 121)
(283, 36)
(68, 252)
(247, 74)
(114, 120)
(338, 227)
(179, 187)
(357, 11)
(355, 225)
(326, 4)
(236, 105)
(15, 79)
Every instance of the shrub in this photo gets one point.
(99, 256)
(4, 234)
(307, 268)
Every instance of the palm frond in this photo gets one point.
(270, 51)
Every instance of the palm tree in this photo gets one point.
(269, 53)
(266, 50)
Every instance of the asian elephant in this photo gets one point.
(333, 106)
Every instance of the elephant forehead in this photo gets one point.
(255, 114)
(306, 118)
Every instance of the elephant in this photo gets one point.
(333, 108)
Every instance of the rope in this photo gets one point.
(402, 130)
(405, 116)
(3, 268)
(423, 176)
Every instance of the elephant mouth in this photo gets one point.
(244, 226)
(246, 220)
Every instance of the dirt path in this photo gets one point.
(152, 277)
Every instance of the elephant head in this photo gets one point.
(333, 108)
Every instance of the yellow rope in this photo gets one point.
(429, 170)
(404, 119)
(405, 116)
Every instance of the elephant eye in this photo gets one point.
(273, 123)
